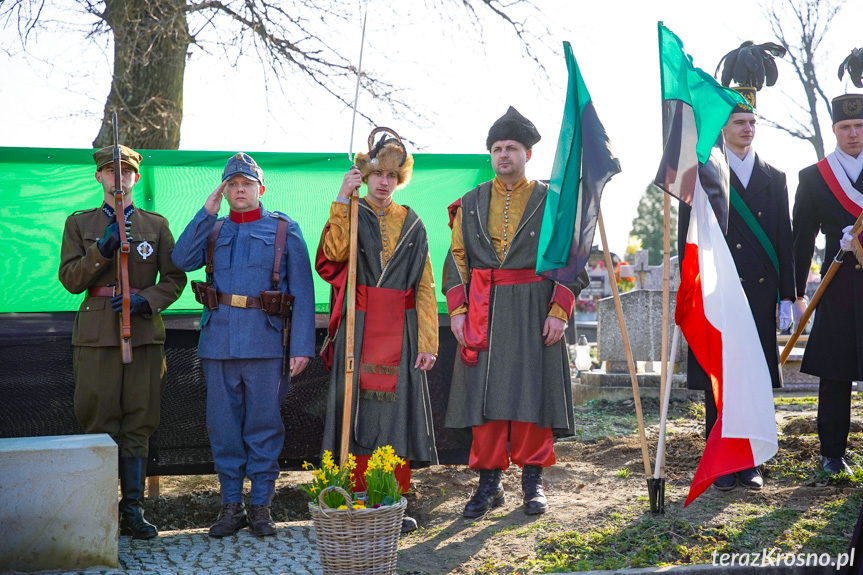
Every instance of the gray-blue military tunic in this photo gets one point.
(241, 348)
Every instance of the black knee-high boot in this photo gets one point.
(133, 473)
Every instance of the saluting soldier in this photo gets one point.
(254, 258)
(830, 199)
(758, 236)
(110, 397)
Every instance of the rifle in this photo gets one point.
(122, 284)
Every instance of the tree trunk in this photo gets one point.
(151, 38)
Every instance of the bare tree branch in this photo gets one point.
(152, 40)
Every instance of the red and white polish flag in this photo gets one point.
(715, 318)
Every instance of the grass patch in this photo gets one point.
(643, 541)
(600, 418)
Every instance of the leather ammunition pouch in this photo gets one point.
(205, 294)
(277, 303)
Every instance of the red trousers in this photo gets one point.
(529, 444)
(403, 474)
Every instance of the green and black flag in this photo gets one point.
(584, 162)
(694, 110)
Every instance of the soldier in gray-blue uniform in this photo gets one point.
(242, 341)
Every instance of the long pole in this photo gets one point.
(666, 244)
(816, 298)
(663, 415)
(350, 320)
(630, 362)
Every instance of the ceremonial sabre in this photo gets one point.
(352, 284)
(825, 281)
(122, 283)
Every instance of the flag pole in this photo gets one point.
(630, 362)
(656, 484)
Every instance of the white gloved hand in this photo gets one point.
(784, 315)
(845, 242)
(797, 309)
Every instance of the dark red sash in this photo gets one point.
(383, 331)
(476, 322)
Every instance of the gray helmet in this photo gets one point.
(242, 163)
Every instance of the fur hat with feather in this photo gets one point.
(389, 154)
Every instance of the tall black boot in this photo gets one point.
(489, 494)
(534, 497)
(133, 472)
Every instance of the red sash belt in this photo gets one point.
(383, 331)
(476, 322)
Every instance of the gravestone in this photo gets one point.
(642, 312)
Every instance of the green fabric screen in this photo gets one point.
(42, 186)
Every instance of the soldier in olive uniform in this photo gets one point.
(110, 397)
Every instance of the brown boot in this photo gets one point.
(260, 521)
(232, 518)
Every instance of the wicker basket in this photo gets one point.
(353, 541)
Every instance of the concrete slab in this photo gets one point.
(58, 502)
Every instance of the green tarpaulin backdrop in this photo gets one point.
(41, 186)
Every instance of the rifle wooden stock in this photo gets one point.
(122, 284)
(349, 332)
(825, 281)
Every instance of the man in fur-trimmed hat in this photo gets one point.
(396, 326)
(758, 237)
(830, 199)
(511, 385)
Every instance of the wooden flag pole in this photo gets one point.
(617, 306)
(666, 245)
(656, 484)
(825, 281)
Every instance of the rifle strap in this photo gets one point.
(281, 236)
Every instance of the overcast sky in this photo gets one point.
(54, 97)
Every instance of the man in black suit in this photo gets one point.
(759, 237)
(830, 199)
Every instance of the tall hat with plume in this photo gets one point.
(750, 66)
(850, 106)
(854, 65)
(388, 154)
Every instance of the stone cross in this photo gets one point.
(646, 276)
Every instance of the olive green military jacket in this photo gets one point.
(150, 270)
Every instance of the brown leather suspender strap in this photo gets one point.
(281, 236)
(211, 245)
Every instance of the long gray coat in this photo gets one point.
(519, 378)
(406, 423)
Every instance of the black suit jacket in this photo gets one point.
(767, 199)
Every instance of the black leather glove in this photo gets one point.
(110, 241)
(137, 304)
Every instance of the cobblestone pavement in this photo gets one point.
(193, 552)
